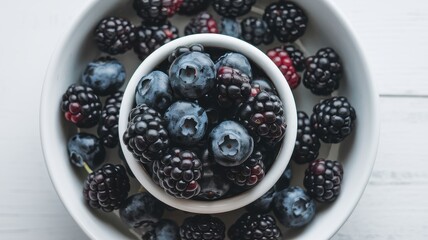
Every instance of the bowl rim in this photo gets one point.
(84, 217)
(260, 59)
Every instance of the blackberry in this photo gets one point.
(81, 106)
(256, 31)
(233, 8)
(323, 72)
(284, 62)
(323, 179)
(115, 35)
(249, 173)
(333, 119)
(296, 55)
(107, 187)
(233, 87)
(286, 19)
(253, 226)
(263, 116)
(178, 173)
(307, 144)
(156, 12)
(202, 23)
(150, 38)
(184, 49)
(108, 127)
(191, 7)
(145, 135)
(202, 227)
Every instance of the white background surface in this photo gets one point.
(394, 35)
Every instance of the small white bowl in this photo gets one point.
(258, 58)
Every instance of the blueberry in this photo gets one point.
(293, 207)
(85, 148)
(262, 204)
(230, 144)
(230, 27)
(165, 229)
(105, 75)
(213, 184)
(236, 61)
(154, 90)
(285, 179)
(263, 85)
(140, 209)
(186, 122)
(192, 75)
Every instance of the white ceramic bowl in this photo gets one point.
(327, 28)
(258, 58)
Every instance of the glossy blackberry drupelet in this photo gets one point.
(202, 23)
(178, 173)
(155, 91)
(145, 135)
(293, 207)
(323, 72)
(115, 35)
(81, 106)
(256, 31)
(255, 226)
(185, 49)
(286, 20)
(85, 148)
(150, 38)
(323, 179)
(233, 8)
(108, 128)
(263, 204)
(263, 115)
(296, 55)
(284, 62)
(156, 12)
(165, 229)
(231, 27)
(104, 75)
(230, 144)
(233, 87)
(192, 7)
(249, 173)
(333, 119)
(107, 187)
(307, 146)
(139, 209)
(202, 227)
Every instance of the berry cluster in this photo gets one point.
(166, 138)
(211, 126)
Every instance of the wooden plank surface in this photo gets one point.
(392, 32)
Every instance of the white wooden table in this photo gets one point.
(394, 34)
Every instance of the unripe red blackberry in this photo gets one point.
(285, 63)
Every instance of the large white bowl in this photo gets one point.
(327, 28)
(258, 58)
